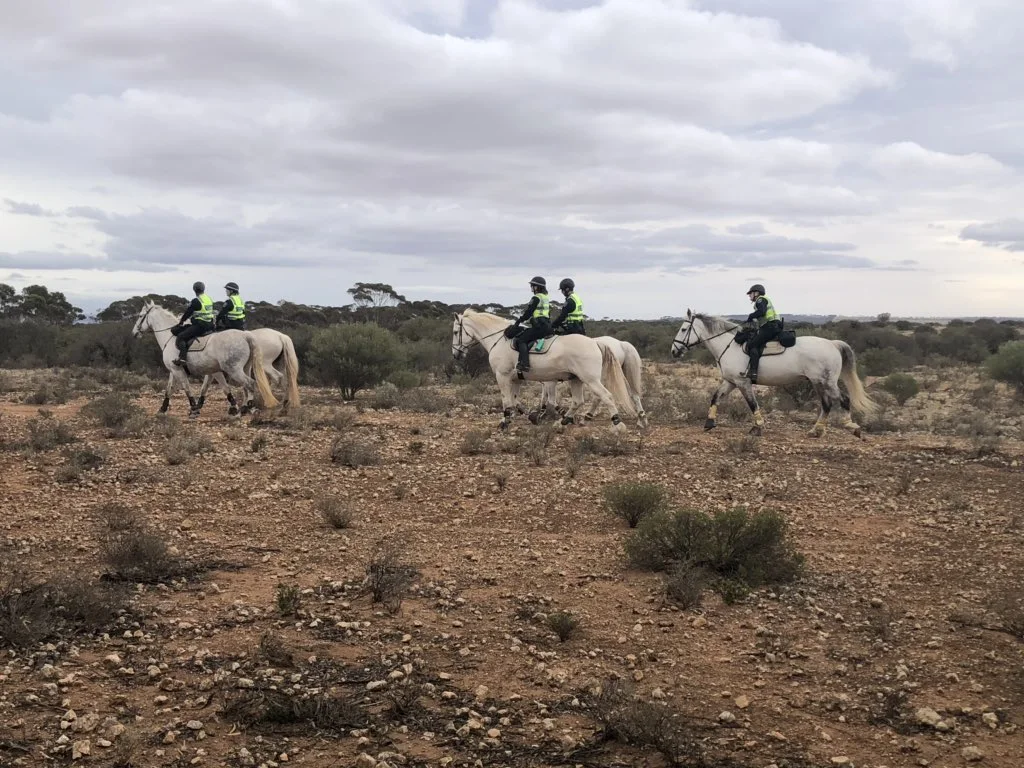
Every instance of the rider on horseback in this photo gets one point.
(201, 311)
(570, 319)
(232, 314)
(538, 311)
(769, 327)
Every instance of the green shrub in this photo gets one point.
(354, 357)
(1007, 365)
(118, 413)
(352, 452)
(881, 362)
(404, 380)
(732, 543)
(901, 386)
(46, 433)
(634, 501)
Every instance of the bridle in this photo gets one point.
(463, 346)
(685, 342)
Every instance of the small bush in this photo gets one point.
(733, 543)
(273, 649)
(289, 599)
(46, 433)
(352, 452)
(133, 552)
(745, 445)
(685, 586)
(335, 511)
(117, 412)
(644, 724)
(258, 444)
(80, 460)
(49, 393)
(475, 443)
(269, 707)
(602, 445)
(31, 612)
(634, 501)
(386, 397)
(1007, 365)
(405, 380)
(501, 480)
(564, 624)
(181, 449)
(901, 386)
(387, 577)
(535, 446)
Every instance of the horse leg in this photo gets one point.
(608, 400)
(167, 394)
(193, 411)
(848, 422)
(508, 402)
(723, 389)
(747, 391)
(576, 389)
(824, 407)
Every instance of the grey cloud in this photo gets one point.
(44, 261)
(1007, 234)
(26, 209)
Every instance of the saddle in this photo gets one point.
(538, 347)
(191, 346)
(785, 340)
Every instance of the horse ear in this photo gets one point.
(689, 314)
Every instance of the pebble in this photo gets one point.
(376, 685)
(927, 716)
(972, 754)
(194, 725)
(742, 702)
(727, 717)
(365, 761)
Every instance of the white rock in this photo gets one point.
(727, 717)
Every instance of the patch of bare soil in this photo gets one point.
(270, 639)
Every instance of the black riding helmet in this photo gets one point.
(567, 284)
(198, 287)
(757, 288)
(540, 282)
(232, 286)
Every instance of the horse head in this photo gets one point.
(686, 337)
(461, 339)
(143, 323)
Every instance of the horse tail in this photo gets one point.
(859, 399)
(291, 370)
(266, 395)
(612, 378)
(633, 368)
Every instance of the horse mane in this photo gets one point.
(486, 318)
(716, 324)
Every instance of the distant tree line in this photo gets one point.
(40, 328)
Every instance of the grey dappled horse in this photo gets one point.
(631, 363)
(276, 347)
(236, 354)
(823, 362)
(578, 359)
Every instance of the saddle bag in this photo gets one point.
(787, 338)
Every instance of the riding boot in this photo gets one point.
(755, 359)
(182, 352)
(524, 357)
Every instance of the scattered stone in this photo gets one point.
(927, 716)
(80, 749)
(194, 725)
(742, 702)
(365, 761)
(990, 719)
(728, 718)
(972, 754)
(376, 685)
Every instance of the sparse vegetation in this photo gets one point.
(118, 413)
(289, 599)
(353, 452)
(902, 386)
(335, 511)
(1007, 365)
(634, 501)
(475, 442)
(388, 577)
(747, 445)
(46, 432)
(743, 549)
(564, 624)
(685, 585)
(79, 460)
(183, 448)
(133, 551)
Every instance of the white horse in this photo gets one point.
(578, 359)
(276, 347)
(823, 362)
(629, 361)
(236, 354)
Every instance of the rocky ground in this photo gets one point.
(902, 644)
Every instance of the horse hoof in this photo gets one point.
(619, 427)
(232, 411)
(709, 425)
(757, 431)
(816, 432)
(193, 414)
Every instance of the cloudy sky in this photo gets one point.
(856, 156)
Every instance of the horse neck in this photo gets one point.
(716, 343)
